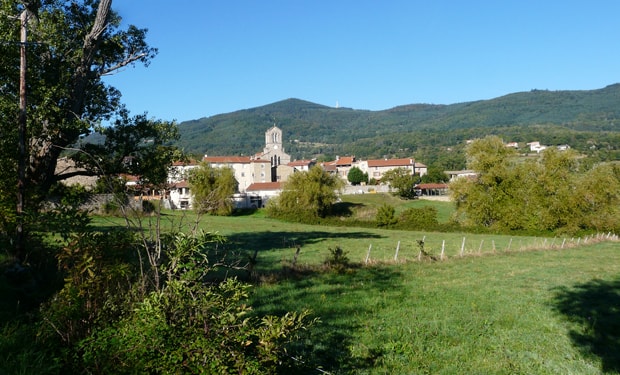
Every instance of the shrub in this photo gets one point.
(386, 216)
(418, 218)
(337, 259)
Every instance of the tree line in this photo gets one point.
(554, 192)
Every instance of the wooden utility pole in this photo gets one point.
(22, 120)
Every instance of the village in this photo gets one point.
(261, 176)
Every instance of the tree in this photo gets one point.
(212, 189)
(435, 174)
(386, 215)
(356, 176)
(76, 44)
(307, 195)
(481, 201)
(549, 193)
(402, 181)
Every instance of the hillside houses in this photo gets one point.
(260, 176)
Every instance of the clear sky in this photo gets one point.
(219, 56)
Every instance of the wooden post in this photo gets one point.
(480, 248)
(462, 246)
(397, 248)
(493, 242)
(443, 247)
(296, 255)
(368, 254)
(563, 241)
(509, 243)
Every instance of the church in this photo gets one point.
(270, 165)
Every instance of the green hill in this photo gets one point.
(586, 120)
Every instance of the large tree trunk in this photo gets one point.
(46, 147)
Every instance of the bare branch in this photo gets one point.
(113, 69)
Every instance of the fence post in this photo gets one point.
(480, 248)
(368, 253)
(462, 246)
(493, 242)
(509, 243)
(443, 247)
(563, 241)
(397, 248)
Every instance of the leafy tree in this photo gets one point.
(549, 193)
(356, 176)
(307, 195)
(402, 181)
(212, 189)
(77, 44)
(386, 216)
(483, 199)
(435, 174)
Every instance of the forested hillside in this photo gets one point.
(588, 121)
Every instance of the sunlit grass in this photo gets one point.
(501, 314)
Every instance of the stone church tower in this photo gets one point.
(274, 150)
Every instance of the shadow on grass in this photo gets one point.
(345, 208)
(257, 241)
(594, 308)
(336, 299)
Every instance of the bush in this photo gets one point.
(337, 259)
(386, 216)
(418, 218)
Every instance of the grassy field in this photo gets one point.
(536, 312)
(493, 304)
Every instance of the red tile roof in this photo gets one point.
(264, 186)
(227, 159)
(391, 163)
(300, 163)
(185, 163)
(432, 186)
(181, 184)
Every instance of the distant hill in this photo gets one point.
(584, 119)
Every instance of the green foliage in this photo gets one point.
(189, 326)
(386, 216)
(337, 259)
(306, 196)
(418, 218)
(435, 134)
(212, 189)
(435, 174)
(548, 193)
(402, 181)
(356, 176)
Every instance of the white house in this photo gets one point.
(376, 168)
(536, 146)
(264, 190)
(247, 169)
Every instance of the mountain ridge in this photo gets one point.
(570, 114)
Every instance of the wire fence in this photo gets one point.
(437, 249)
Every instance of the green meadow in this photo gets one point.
(473, 304)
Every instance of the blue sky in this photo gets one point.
(219, 56)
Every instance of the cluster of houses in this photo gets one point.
(260, 176)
